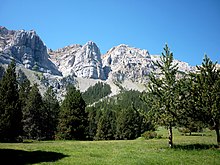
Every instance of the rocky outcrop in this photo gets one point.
(126, 63)
(26, 48)
(80, 61)
(122, 66)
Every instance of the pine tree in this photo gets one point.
(162, 93)
(33, 115)
(185, 103)
(106, 125)
(207, 90)
(51, 111)
(93, 116)
(24, 89)
(72, 118)
(10, 110)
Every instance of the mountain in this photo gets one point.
(122, 67)
(27, 49)
(80, 61)
(123, 62)
(126, 63)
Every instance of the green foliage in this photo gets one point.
(24, 88)
(163, 93)
(118, 117)
(106, 125)
(10, 110)
(206, 88)
(33, 116)
(96, 92)
(35, 67)
(72, 118)
(51, 111)
(151, 135)
(130, 124)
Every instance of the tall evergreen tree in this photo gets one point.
(51, 111)
(24, 89)
(162, 93)
(127, 125)
(106, 125)
(72, 118)
(185, 103)
(33, 115)
(10, 110)
(207, 90)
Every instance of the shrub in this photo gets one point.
(184, 131)
(150, 135)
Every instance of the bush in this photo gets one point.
(184, 131)
(151, 135)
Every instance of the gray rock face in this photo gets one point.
(81, 61)
(122, 63)
(27, 48)
(127, 63)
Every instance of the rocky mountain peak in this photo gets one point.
(3, 30)
(123, 62)
(80, 61)
(26, 48)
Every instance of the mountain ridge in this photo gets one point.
(122, 66)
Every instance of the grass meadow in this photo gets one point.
(195, 149)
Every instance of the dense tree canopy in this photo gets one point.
(96, 92)
(72, 118)
(33, 115)
(118, 117)
(51, 112)
(10, 109)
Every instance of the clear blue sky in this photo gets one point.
(190, 27)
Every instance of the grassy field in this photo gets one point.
(188, 150)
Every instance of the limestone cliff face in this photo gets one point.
(26, 48)
(122, 66)
(123, 62)
(80, 61)
(127, 63)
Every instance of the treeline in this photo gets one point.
(118, 117)
(96, 92)
(192, 101)
(25, 114)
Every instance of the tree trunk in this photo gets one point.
(218, 136)
(170, 138)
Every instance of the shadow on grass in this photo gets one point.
(195, 146)
(20, 157)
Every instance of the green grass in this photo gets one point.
(188, 150)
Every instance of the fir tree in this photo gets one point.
(162, 93)
(24, 89)
(72, 118)
(10, 110)
(33, 115)
(106, 125)
(51, 111)
(207, 90)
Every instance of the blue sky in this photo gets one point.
(190, 27)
